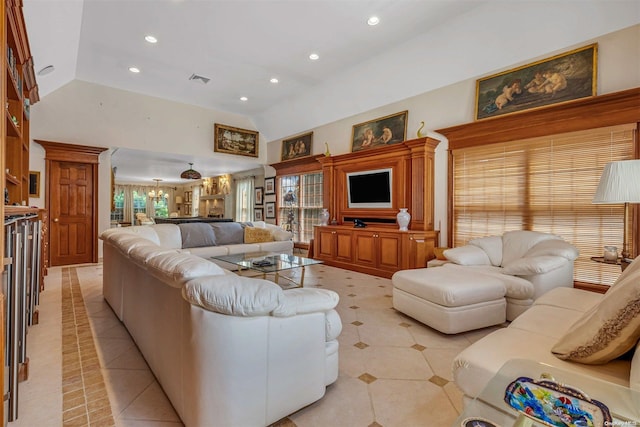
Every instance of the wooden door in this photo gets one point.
(72, 202)
(71, 212)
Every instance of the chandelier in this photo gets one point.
(159, 195)
(190, 173)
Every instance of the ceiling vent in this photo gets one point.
(199, 79)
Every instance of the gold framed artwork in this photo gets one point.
(232, 140)
(380, 132)
(560, 78)
(34, 184)
(298, 146)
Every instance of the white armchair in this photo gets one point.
(489, 276)
(143, 219)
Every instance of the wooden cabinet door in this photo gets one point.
(343, 245)
(389, 249)
(324, 242)
(364, 243)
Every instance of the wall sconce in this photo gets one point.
(178, 202)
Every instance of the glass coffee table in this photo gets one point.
(269, 263)
(490, 409)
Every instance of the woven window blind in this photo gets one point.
(544, 184)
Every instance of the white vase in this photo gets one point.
(403, 218)
(324, 217)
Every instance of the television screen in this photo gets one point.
(369, 189)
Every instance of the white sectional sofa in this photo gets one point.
(573, 330)
(227, 350)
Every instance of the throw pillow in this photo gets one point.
(228, 233)
(610, 328)
(197, 234)
(257, 235)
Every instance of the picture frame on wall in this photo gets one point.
(232, 140)
(258, 195)
(270, 210)
(561, 78)
(269, 186)
(34, 184)
(296, 147)
(380, 132)
(258, 214)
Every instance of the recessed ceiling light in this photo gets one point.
(244, 98)
(374, 20)
(151, 39)
(134, 69)
(273, 80)
(314, 57)
(46, 70)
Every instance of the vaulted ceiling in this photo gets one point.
(240, 45)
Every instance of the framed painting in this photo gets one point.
(271, 210)
(269, 186)
(258, 195)
(561, 78)
(299, 146)
(380, 132)
(34, 184)
(233, 140)
(258, 214)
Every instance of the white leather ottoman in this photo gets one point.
(449, 300)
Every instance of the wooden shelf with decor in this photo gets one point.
(18, 91)
(380, 248)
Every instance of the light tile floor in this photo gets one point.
(394, 371)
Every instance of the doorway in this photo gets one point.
(72, 202)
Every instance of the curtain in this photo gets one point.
(244, 199)
(544, 184)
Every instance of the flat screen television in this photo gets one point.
(370, 189)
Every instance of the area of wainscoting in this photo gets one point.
(86, 371)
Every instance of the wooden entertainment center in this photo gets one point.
(380, 248)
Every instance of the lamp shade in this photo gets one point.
(190, 173)
(619, 183)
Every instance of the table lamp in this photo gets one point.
(620, 183)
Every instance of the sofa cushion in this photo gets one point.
(634, 377)
(233, 295)
(176, 269)
(257, 235)
(555, 247)
(610, 328)
(169, 235)
(492, 245)
(467, 255)
(516, 243)
(228, 233)
(197, 235)
(534, 265)
(301, 301)
(278, 233)
(142, 254)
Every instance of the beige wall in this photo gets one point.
(89, 114)
(618, 69)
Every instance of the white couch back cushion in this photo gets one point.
(492, 245)
(516, 243)
(169, 235)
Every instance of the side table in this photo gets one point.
(623, 402)
(622, 262)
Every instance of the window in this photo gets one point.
(300, 205)
(544, 184)
(244, 199)
(118, 203)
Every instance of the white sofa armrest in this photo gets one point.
(467, 255)
(553, 247)
(534, 265)
(234, 295)
(301, 300)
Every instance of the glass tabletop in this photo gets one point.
(490, 406)
(266, 262)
